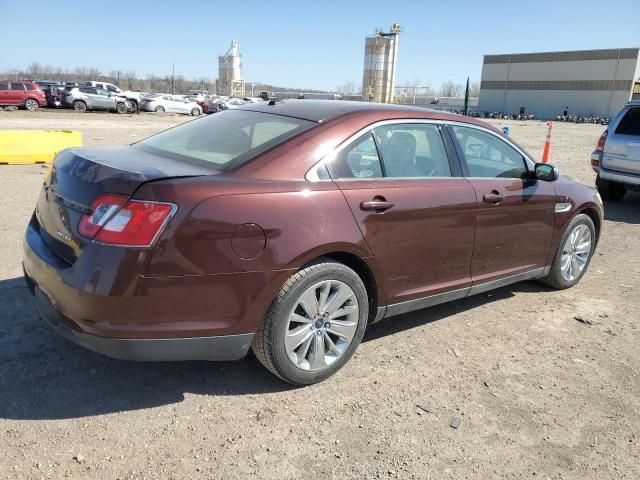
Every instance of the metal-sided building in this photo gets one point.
(584, 82)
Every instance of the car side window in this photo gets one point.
(30, 86)
(4, 86)
(488, 156)
(358, 160)
(630, 123)
(112, 89)
(412, 150)
(102, 92)
(17, 86)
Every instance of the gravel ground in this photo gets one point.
(538, 393)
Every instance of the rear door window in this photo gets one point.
(630, 123)
(4, 86)
(17, 86)
(412, 150)
(359, 160)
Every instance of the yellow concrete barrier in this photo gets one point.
(21, 147)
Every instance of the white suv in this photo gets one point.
(616, 158)
(133, 97)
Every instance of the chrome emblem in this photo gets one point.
(64, 236)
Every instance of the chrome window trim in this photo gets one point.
(312, 174)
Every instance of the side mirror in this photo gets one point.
(546, 172)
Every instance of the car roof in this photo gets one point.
(321, 110)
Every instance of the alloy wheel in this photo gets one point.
(31, 105)
(321, 325)
(576, 252)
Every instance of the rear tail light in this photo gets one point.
(135, 223)
(601, 141)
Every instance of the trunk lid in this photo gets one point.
(79, 175)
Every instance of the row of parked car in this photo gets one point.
(96, 95)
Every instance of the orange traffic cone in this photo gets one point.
(547, 144)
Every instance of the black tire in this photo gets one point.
(555, 278)
(31, 104)
(79, 106)
(159, 109)
(121, 107)
(195, 112)
(134, 107)
(268, 343)
(610, 191)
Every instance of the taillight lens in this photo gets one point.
(601, 141)
(116, 221)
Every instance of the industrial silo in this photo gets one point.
(230, 82)
(380, 58)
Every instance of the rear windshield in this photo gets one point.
(224, 140)
(630, 123)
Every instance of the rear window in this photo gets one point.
(225, 140)
(630, 123)
(30, 86)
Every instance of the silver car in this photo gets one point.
(616, 159)
(170, 104)
(85, 98)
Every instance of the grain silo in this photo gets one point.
(380, 58)
(230, 82)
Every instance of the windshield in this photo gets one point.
(224, 140)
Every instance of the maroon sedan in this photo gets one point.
(289, 227)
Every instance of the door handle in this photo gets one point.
(493, 197)
(378, 205)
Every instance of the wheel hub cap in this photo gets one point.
(575, 253)
(321, 325)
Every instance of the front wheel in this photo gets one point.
(79, 106)
(314, 324)
(31, 105)
(121, 108)
(610, 191)
(159, 109)
(574, 253)
(195, 112)
(134, 107)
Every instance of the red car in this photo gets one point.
(22, 93)
(290, 227)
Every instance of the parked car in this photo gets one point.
(21, 93)
(289, 227)
(225, 103)
(133, 97)
(171, 104)
(86, 98)
(616, 158)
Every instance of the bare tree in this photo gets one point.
(451, 89)
(474, 89)
(348, 88)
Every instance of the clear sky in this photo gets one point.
(301, 44)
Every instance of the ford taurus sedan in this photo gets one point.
(288, 228)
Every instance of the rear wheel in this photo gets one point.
(574, 253)
(159, 109)
(31, 105)
(610, 191)
(121, 107)
(314, 325)
(79, 106)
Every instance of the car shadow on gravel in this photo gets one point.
(43, 376)
(627, 211)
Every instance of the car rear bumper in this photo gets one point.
(631, 179)
(225, 347)
(212, 317)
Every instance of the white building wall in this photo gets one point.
(586, 87)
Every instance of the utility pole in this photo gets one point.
(173, 81)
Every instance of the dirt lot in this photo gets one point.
(540, 395)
